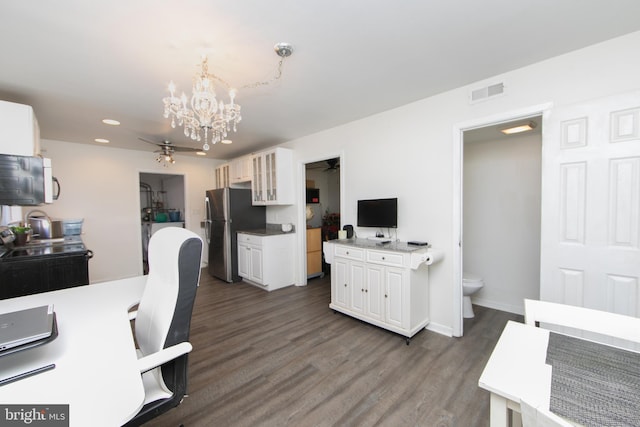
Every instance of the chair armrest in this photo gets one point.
(163, 356)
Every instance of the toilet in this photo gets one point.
(470, 285)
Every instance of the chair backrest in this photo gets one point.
(583, 319)
(164, 312)
(533, 416)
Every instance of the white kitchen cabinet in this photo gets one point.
(265, 260)
(222, 175)
(19, 130)
(272, 177)
(240, 170)
(380, 286)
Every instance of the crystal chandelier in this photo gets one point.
(205, 118)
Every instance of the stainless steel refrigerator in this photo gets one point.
(227, 211)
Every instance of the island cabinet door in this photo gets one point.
(396, 308)
(357, 285)
(339, 283)
(374, 306)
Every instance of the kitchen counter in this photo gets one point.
(38, 248)
(374, 244)
(44, 265)
(269, 230)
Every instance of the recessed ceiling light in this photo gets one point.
(111, 122)
(226, 141)
(102, 140)
(201, 153)
(519, 128)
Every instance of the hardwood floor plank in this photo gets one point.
(285, 359)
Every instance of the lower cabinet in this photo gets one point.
(379, 287)
(265, 260)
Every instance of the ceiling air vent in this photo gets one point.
(487, 92)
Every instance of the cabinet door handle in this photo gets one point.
(386, 296)
(345, 285)
(383, 258)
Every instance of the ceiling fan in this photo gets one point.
(331, 165)
(167, 149)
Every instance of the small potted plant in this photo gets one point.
(22, 233)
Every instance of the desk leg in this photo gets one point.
(499, 414)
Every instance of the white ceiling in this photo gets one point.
(77, 62)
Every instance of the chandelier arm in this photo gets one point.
(277, 76)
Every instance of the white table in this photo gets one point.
(517, 369)
(96, 369)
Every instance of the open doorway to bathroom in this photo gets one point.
(162, 204)
(501, 199)
(322, 184)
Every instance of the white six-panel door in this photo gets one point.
(590, 248)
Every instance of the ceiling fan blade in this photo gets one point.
(159, 144)
(186, 149)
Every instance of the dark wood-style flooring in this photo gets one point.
(285, 359)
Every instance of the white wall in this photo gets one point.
(502, 219)
(408, 152)
(101, 185)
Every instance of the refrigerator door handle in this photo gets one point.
(207, 222)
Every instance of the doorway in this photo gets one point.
(541, 112)
(501, 212)
(322, 190)
(162, 204)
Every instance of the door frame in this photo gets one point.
(302, 206)
(458, 162)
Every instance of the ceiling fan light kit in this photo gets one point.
(166, 151)
(205, 118)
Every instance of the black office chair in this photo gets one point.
(163, 319)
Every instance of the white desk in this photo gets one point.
(606, 378)
(517, 369)
(96, 369)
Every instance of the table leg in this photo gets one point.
(499, 414)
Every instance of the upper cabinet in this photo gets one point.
(272, 177)
(240, 170)
(19, 130)
(222, 175)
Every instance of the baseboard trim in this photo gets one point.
(496, 305)
(440, 329)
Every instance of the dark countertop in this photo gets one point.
(269, 230)
(38, 248)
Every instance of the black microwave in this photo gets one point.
(313, 195)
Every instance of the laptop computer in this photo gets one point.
(25, 326)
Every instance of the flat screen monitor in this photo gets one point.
(381, 213)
